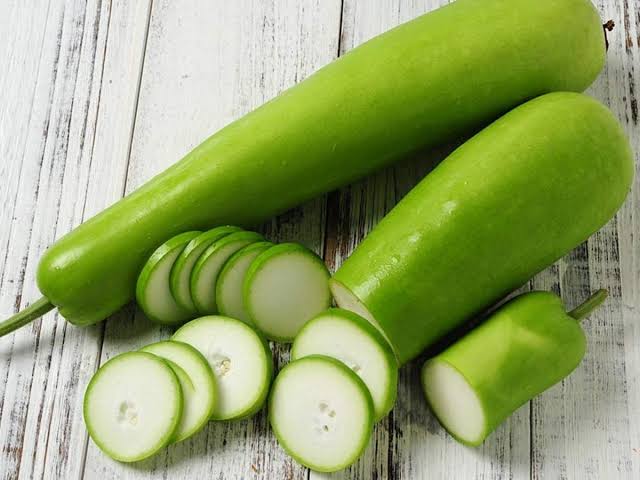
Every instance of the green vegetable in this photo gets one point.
(231, 280)
(347, 337)
(181, 272)
(321, 413)
(133, 406)
(204, 275)
(239, 358)
(285, 286)
(502, 207)
(524, 348)
(197, 381)
(153, 291)
(432, 79)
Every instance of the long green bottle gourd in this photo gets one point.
(505, 205)
(418, 85)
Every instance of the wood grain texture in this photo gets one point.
(61, 109)
(410, 443)
(207, 63)
(97, 96)
(584, 427)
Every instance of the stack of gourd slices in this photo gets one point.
(342, 378)
(275, 288)
(216, 366)
(239, 290)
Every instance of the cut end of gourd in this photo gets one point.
(347, 300)
(454, 401)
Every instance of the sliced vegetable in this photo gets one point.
(285, 286)
(231, 279)
(239, 358)
(197, 381)
(524, 348)
(181, 272)
(505, 205)
(206, 270)
(133, 406)
(347, 337)
(321, 413)
(153, 292)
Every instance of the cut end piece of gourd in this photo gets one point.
(346, 336)
(133, 406)
(285, 287)
(454, 402)
(347, 300)
(240, 359)
(321, 413)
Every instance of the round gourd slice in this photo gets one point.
(181, 272)
(133, 406)
(239, 358)
(153, 292)
(285, 286)
(347, 337)
(206, 270)
(321, 413)
(197, 381)
(231, 280)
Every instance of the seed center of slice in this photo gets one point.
(221, 364)
(128, 413)
(325, 418)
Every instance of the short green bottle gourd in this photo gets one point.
(524, 348)
(505, 205)
(423, 83)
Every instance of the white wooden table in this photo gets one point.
(96, 96)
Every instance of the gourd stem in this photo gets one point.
(607, 27)
(589, 305)
(28, 315)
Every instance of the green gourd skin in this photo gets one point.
(505, 205)
(524, 348)
(421, 84)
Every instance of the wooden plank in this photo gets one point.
(25, 416)
(628, 229)
(21, 126)
(584, 428)
(206, 64)
(72, 116)
(625, 79)
(49, 364)
(409, 443)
